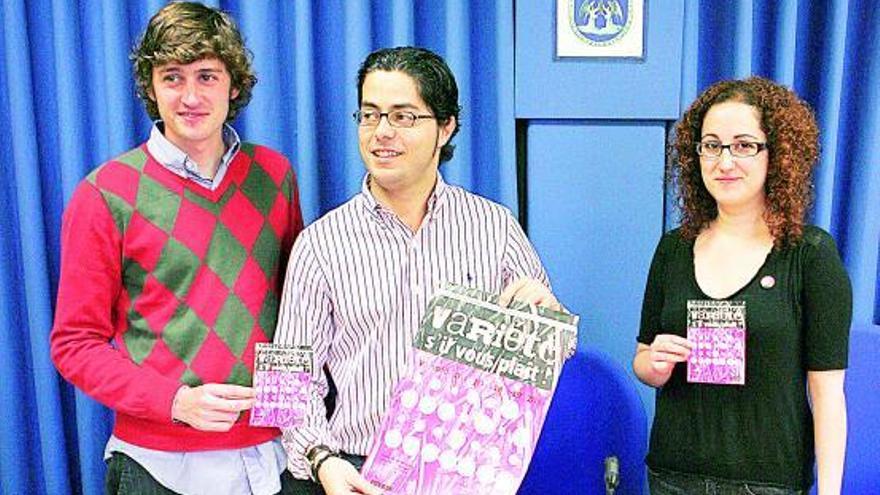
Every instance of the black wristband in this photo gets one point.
(313, 452)
(316, 468)
(316, 456)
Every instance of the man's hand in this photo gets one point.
(339, 477)
(531, 291)
(212, 406)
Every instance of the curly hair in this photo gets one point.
(184, 32)
(792, 144)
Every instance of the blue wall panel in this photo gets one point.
(585, 88)
(595, 214)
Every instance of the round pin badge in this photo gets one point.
(767, 281)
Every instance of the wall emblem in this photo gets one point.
(600, 22)
(600, 28)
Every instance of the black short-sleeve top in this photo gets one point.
(798, 314)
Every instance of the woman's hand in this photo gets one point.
(654, 364)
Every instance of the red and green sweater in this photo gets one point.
(164, 283)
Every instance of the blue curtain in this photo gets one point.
(67, 103)
(828, 52)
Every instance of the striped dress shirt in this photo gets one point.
(357, 286)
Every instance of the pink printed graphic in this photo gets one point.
(455, 429)
(467, 415)
(282, 376)
(718, 331)
(281, 398)
(719, 356)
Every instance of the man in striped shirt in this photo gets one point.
(361, 277)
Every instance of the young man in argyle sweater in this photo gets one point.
(172, 260)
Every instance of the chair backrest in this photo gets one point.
(596, 412)
(860, 474)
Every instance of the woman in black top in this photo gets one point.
(746, 316)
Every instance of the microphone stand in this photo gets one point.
(612, 474)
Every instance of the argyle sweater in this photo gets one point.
(165, 283)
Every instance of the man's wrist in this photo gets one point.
(316, 457)
(316, 471)
(175, 404)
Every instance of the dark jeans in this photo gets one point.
(127, 477)
(309, 487)
(671, 483)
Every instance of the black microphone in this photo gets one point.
(612, 474)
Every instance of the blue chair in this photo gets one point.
(596, 413)
(860, 474)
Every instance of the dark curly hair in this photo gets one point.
(792, 144)
(184, 32)
(434, 80)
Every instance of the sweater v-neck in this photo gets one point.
(155, 169)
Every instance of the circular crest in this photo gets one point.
(600, 22)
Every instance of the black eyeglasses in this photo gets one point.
(712, 150)
(396, 118)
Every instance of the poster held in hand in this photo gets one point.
(467, 415)
(282, 377)
(718, 331)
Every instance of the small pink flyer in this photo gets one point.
(718, 331)
(282, 375)
(467, 415)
